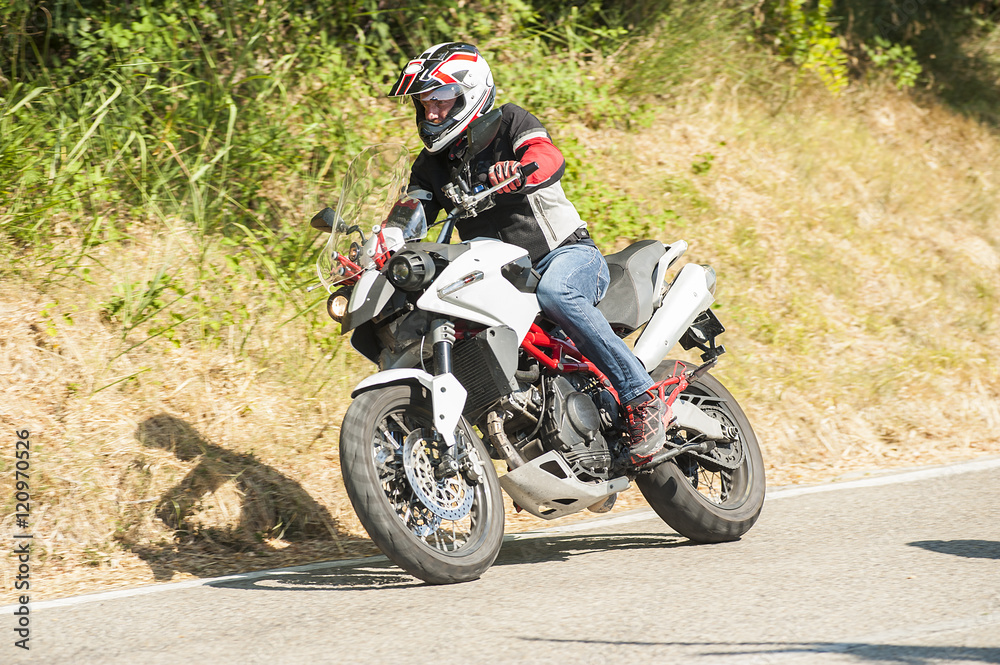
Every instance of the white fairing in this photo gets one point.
(687, 297)
(360, 293)
(447, 395)
(492, 300)
(394, 239)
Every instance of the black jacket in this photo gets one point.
(538, 217)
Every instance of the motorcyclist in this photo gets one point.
(451, 85)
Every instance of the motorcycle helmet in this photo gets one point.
(452, 70)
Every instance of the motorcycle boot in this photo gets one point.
(646, 430)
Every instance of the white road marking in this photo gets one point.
(890, 478)
(626, 518)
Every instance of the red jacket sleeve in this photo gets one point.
(541, 151)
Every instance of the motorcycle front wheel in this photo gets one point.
(440, 526)
(701, 500)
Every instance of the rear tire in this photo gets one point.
(429, 547)
(703, 502)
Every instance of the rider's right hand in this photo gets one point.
(503, 170)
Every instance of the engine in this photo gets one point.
(573, 412)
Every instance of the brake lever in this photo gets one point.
(467, 202)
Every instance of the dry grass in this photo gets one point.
(858, 247)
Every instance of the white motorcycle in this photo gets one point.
(471, 372)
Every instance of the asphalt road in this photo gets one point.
(904, 572)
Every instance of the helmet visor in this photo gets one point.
(442, 94)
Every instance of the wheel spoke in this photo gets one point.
(452, 493)
(716, 484)
(400, 424)
(388, 437)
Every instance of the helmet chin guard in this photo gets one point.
(461, 72)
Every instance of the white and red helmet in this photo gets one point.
(454, 70)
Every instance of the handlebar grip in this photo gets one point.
(529, 168)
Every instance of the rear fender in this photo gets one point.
(447, 395)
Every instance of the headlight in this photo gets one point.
(410, 270)
(336, 304)
(400, 272)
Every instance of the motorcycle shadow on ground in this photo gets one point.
(367, 575)
(969, 549)
(740, 652)
(227, 505)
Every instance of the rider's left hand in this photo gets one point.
(503, 170)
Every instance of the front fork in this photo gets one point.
(442, 341)
(442, 336)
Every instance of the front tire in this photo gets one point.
(704, 502)
(380, 426)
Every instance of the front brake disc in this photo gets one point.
(450, 497)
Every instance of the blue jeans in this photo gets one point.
(574, 279)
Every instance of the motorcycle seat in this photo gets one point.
(629, 301)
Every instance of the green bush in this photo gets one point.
(900, 61)
(804, 33)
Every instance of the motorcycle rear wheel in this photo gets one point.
(430, 547)
(701, 501)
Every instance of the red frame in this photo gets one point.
(553, 352)
(353, 271)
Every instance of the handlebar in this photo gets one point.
(469, 201)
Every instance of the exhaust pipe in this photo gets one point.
(689, 296)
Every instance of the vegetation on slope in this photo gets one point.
(836, 162)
